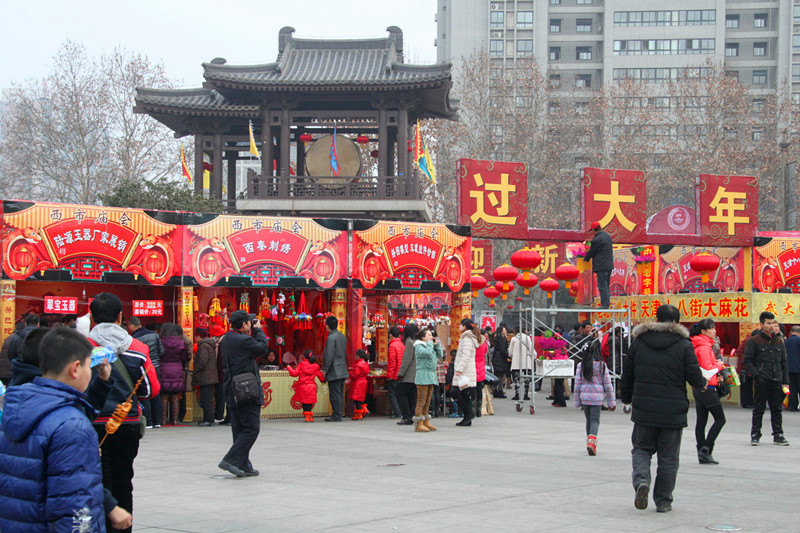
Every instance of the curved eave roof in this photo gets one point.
(191, 102)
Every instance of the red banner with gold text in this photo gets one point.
(493, 198)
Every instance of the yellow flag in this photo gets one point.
(253, 149)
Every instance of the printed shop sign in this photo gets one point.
(148, 307)
(60, 304)
(88, 241)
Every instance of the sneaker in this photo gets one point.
(754, 440)
(205, 424)
(664, 508)
(780, 440)
(148, 427)
(642, 493)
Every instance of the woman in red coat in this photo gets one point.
(707, 401)
(305, 389)
(358, 384)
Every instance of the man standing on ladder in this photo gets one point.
(601, 252)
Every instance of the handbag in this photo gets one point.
(723, 389)
(246, 388)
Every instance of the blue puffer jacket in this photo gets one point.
(50, 473)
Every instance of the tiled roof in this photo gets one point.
(194, 99)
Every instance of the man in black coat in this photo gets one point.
(765, 361)
(150, 408)
(501, 363)
(658, 364)
(239, 348)
(335, 368)
(601, 252)
(18, 338)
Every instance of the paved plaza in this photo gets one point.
(508, 472)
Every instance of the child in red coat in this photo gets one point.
(358, 384)
(305, 389)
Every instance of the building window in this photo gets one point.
(731, 49)
(583, 53)
(795, 73)
(796, 98)
(796, 43)
(555, 25)
(525, 19)
(759, 77)
(496, 47)
(584, 2)
(555, 53)
(496, 19)
(583, 25)
(523, 101)
(553, 108)
(760, 20)
(731, 21)
(583, 81)
(555, 2)
(524, 47)
(699, 17)
(555, 81)
(758, 105)
(732, 74)
(758, 134)
(796, 14)
(759, 49)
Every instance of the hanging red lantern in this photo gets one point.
(362, 139)
(477, 283)
(526, 260)
(567, 273)
(519, 298)
(506, 274)
(374, 154)
(527, 283)
(504, 287)
(510, 306)
(306, 138)
(704, 263)
(549, 285)
(409, 147)
(491, 293)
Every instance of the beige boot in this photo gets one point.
(427, 423)
(420, 420)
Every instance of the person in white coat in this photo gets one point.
(464, 366)
(521, 351)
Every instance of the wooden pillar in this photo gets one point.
(383, 142)
(232, 157)
(198, 164)
(301, 153)
(216, 175)
(283, 183)
(355, 323)
(266, 146)
(390, 169)
(402, 142)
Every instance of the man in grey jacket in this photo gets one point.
(335, 368)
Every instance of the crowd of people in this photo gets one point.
(53, 383)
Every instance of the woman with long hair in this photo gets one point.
(465, 367)
(428, 351)
(707, 401)
(173, 380)
(592, 385)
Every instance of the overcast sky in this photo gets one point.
(183, 34)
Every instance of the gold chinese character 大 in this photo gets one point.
(614, 199)
(501, 205)
(725, 207)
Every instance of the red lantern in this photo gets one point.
(306, 138)
(567, 273)
(527, 283)
(519, 298)
(374, 154)
(549, 286)
(362, 139)
(510, 306)
(477, 283)
(526, 260)
(704, 263)
(506, 274)
(491, 293)
(408, 143)
(504, 288)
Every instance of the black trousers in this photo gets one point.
(746, 391)
(391, 392)
(245, 426)
(466, 400)
(666, 442)
(603, 282)
(219, 401)
(407, 399)
(559, 397)
(794, 390)
(767, 391)
(206, 392)
(118, 452)
(707, 402)
(336, 396)
(479, 398)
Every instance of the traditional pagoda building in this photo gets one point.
(361, 89)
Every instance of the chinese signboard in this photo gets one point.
(265, 250)
(90, 242)
(493, 198)
(413, 253)
(728, 207)
(148, 307)
(617, 199)
(482, 258)
(676, 274)
(721, 307)
(7, 307)
(553, 256)
(60, 304)
(776, 265)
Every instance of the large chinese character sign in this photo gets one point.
(89, 241)
(728, 209)
(618, 200)
(493, 198)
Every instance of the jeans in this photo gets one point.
(666, 442)
(206, 404)
(767, 391)
(592, 414)
(336, 396)
(391, 392)
(118, 452)
(794, 390)
(245, 426)
(466, 400)
(407, 399)
(603, 281)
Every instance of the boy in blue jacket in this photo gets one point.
(50, 474)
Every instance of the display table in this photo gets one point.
(278, 392)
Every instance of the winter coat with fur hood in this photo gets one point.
(660, 361)
(465, 357)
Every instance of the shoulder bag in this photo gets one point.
(246, 388)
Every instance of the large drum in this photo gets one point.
(318, 159)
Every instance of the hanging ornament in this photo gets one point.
(195, 304)
(704, 263)
(215, 307)
(477, 283)
(506, 274)
(549, 285)
(504, 287)
(491, 293)
(526, 260)
(567, 273)
(362, 139)
(527, 283)
(244, 301)
(305, 139)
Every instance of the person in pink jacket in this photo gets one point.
(592, 385)
(305, 389)
(707, 401)
(358, 384)
(480, 371)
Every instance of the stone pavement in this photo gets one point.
(508, 472)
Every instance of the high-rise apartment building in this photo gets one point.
(595, 42)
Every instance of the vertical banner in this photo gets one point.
(647, 273)
(339, 308)
(8, 309)
(381, 339)
(461, 309)
(728, 208)
(482, 258)
(493, 198)
(618, 200)
(186, 311)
